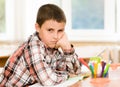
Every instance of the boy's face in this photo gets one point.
(50, 32)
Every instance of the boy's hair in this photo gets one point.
(48, 12)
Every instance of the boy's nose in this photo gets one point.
(55, 35)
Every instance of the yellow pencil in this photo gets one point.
(95, 69)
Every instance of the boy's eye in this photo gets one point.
(60, 30)
(50, 30)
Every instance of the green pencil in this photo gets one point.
(91, 69)
(106, 70)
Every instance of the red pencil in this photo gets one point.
(83, 62)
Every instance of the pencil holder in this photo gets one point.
(98, 67)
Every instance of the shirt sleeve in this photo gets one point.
(43, 72)
(72, 63)
(71, 60)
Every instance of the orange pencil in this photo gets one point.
(83, 62)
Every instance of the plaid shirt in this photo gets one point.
(32, 62)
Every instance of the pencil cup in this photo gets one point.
(99, 71)
(98, 68)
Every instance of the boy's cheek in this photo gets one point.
(61, 35)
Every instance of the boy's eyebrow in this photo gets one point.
(62, 29)
(50, 28)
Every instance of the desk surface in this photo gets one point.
(87, 83)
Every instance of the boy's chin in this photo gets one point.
(52, 46)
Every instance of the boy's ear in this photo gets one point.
(37, 27)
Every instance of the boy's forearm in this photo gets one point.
(73, 64)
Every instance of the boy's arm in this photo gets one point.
(42, 70)
(72, 62)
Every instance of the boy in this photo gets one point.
(46, 57)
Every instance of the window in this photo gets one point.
(20, 16)
(87, 14)
(7, 19)
(2, 16)
(90, 20)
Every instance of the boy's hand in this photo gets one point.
(63, 43)
(72, 75)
